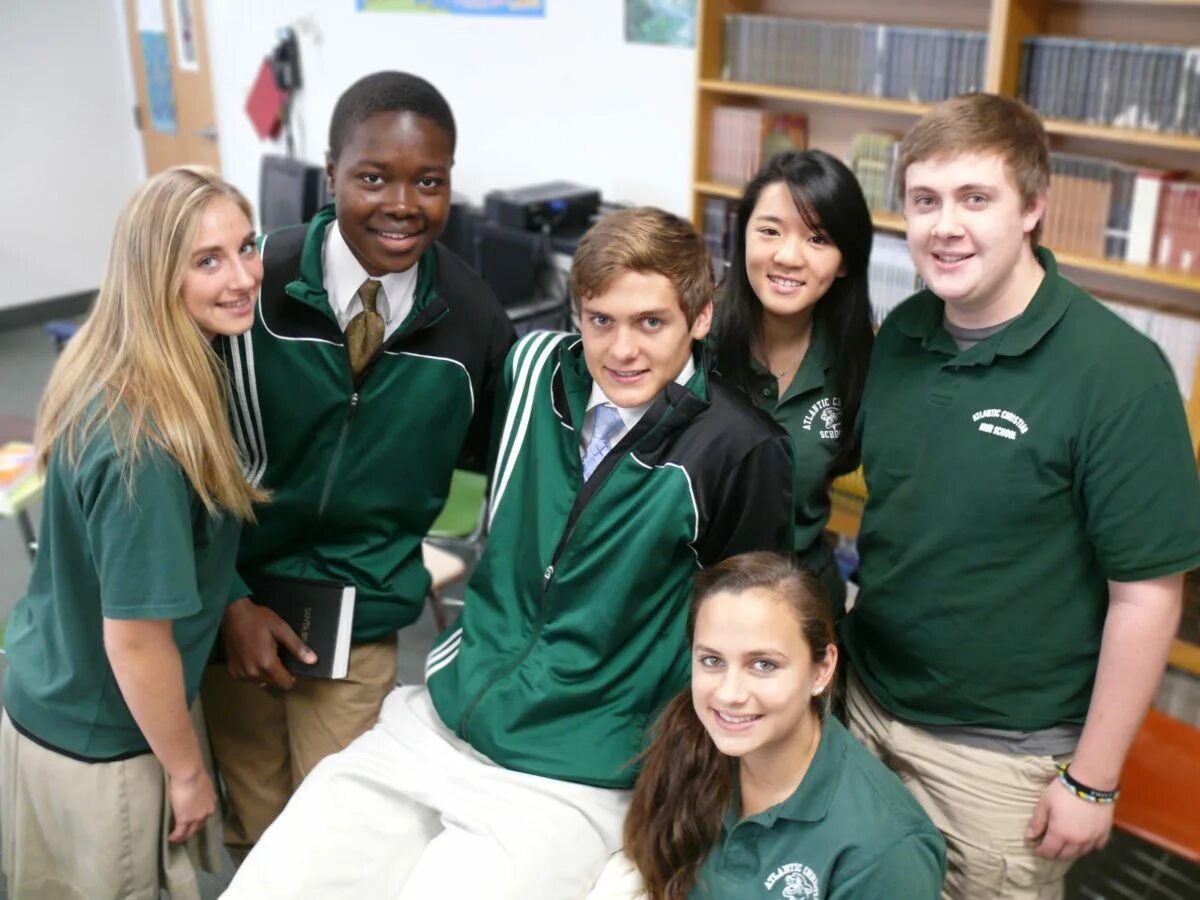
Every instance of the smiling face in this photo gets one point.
(391, 189)
(224, 270)
(636, 339)
(968, 234)
(789, 265)
(753, 675)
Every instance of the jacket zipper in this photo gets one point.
(589, 490)
(336, 459)
(524, 654)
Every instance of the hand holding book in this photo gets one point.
(252, 635)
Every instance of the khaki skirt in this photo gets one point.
(74, 830)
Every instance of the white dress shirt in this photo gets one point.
(630, 415)
(344, 275)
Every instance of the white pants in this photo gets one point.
(410, 812)
(620, 880)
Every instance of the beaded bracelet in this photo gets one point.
(1083, 792)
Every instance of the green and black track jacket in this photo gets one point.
(573, 635)
(360, 467)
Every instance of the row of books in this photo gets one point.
(1098, 208)
(742, 138)
(1177, 233)
(720, 228)
(923, 65)
(874, 160)
(892, 277)
(1123, 212)
(1151, 87)
(1177, 335)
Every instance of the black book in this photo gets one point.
(320, 612)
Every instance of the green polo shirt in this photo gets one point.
(1008, 483)
(850, 830)
(114, 543)
(810, 412)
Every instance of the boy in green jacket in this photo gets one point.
(369, 370)
(621, 466)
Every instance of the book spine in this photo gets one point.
(1143, 218)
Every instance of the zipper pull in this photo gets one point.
(547, 576)
(353, 403)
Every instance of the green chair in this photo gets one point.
(461, 523)
(459, 529)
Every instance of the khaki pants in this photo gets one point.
(266, 741)
(981, 801)
(75, 830)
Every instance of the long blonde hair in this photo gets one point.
(140, 355)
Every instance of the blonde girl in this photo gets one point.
(101, 773)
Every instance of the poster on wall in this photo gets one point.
(668, 22)
(458, 7)
(185, 36)
(159, 85)
(156, 60)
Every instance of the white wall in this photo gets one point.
(70, 154)
(560, 97)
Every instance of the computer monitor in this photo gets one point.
(508, 259)
(516, 265)
(290, 192)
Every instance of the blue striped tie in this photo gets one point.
(607, 424)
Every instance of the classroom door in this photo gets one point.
(169, 55)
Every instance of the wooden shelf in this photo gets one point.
(1183, 281)
(1185, 655)
(845, 514)
(888, 221)
(1188, 143)
(802, 95)
(718, 189)
(1133, 2)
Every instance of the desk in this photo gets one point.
(1160, 790)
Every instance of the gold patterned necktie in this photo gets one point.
(364, 333)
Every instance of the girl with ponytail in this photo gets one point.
(792, 328)
(748, 788)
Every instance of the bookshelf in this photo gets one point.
(717, 87)
(1183, 143)
(834, 117)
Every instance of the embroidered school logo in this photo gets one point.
(1009, 424)
(829, 411)
(799, 881)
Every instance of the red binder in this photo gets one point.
(265, 104)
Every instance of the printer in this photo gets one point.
(543, 207)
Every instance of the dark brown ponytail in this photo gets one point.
(679, 802)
